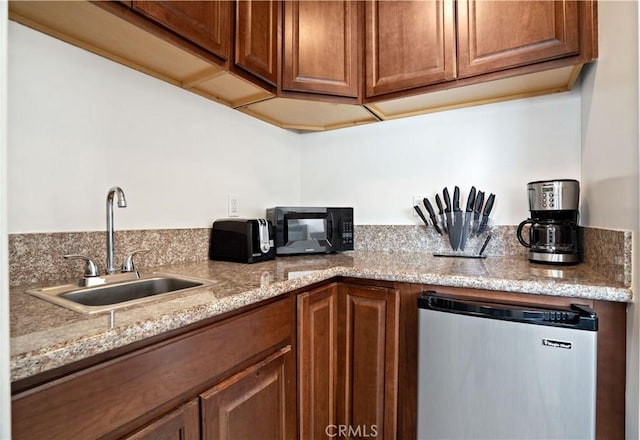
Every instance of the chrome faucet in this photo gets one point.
(122, 203)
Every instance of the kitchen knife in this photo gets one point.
(419, 211)
(447, 213)
(471, 200)
(455, 233)
(485, 214)
(441, 214)
(432, 215)
(476, 212)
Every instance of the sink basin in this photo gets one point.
(116, 295)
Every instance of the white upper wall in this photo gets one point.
(377, 168)
(610, 177)
(610, 122)
(79, 124)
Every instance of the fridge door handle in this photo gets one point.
(578, 316)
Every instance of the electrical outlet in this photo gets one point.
(233, 207)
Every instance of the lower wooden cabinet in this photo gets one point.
(351, 358)
(255, 403)
(317, 361)
(142, 393)
(368, 361)
(180, 424)
(348, 361)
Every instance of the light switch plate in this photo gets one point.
(233, 206)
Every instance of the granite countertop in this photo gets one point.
(45, 336)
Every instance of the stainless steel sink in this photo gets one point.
(116, 295)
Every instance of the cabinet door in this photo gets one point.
(181, 424)
(409, 44)
(317, 361)
(369, 360)
(496, 35)
(321, 53)
(258, 402)
(205, 23)
(256, 38)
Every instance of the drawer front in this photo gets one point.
(97, 401)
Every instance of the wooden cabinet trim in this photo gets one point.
(611, 365)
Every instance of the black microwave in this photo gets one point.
(308, 230)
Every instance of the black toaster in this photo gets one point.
(242, 240)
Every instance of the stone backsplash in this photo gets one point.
(410, 238)
(38, 257)
(609, 253)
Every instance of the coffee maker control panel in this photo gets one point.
(554, 195)
(548, 198)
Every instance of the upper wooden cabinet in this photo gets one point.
(205, 23)
(496, 35)
(409, 44)
(257, 38)
(319, 65)
(321, 47)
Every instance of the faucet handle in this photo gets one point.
(91, 267)
(127, 264)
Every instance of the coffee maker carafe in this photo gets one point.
(553, 234)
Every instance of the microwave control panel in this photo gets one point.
(347, 232)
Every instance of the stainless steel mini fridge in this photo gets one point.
(499, 371)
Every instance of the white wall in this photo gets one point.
(5, 388)
(80, 124)
(610, 156)
(498, 148)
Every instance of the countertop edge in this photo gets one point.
(49, 357)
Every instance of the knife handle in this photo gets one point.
(432, 215)
(479, 202)
(419, 211)
(447, 200)
(429, 207)
(439, 203)
(456, 199)
(489, 206)
(471, 200)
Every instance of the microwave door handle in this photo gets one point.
(285, 230)
(330, 229)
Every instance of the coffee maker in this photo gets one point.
(553, 234)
